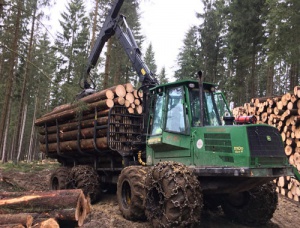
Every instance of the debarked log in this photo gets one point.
(85, 144)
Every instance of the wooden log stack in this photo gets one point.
(282, 112)
(83, 125)
(43, 209)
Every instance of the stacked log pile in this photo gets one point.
(83, 125)
(43, 209)
(282, 112)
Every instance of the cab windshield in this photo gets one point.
(215, 108)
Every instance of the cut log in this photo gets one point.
(23, 219)
(139, 109)
(108, 103)
(119, 101)
(12, 226)
(60, 204)
(49, 223)
(129, 87)
(297, 91)
(74, 125)
(85, 133)
(282, 182)
(101, 95)
(85, 144)
(288, 150)
(129, 97)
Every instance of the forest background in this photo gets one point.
(249, 48)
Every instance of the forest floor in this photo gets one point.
(106, 214)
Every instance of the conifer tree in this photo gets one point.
(72, 48)
(188, 59)
(150, 59)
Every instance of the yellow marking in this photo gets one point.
(238, 149)
(143, 71)
(154, 140)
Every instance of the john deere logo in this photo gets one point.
(269, 138)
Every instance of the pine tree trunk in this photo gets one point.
(11, 76)
(95, 25)
(22, 133)
(253, 71)
(270, 75)
(23, 104)
(107, 63)
(32, 133)
(4, 158)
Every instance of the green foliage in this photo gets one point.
(162, 77)
(189, 57)
(150, 59)
(72, 50)
(249, 48)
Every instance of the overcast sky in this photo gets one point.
(164, 23)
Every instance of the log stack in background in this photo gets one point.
(70, 126)
(282, 112)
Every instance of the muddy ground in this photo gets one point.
(106, 214)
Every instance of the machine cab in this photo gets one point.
(174, 112)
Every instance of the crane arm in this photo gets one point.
(106, 32)
(116, 24)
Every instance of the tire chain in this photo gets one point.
(173, 172)
(86, 173)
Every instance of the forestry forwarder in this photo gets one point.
(183, 152)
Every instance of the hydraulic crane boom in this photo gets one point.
(116, 24)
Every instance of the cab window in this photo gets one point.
(157, 119)
(176, 117)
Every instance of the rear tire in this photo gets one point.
(60, 178)
(131, 192)
(173, 196)
(254, 207)
(86, 178)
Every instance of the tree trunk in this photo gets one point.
(21, 136)
(22, 105)
(24, 219)
(31, 147)
(11, 75)
(95, 20)
(107, 63)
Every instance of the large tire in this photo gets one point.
(131, 192)
(60, 178)
(254, 207)
(173, 196)
(86, 178)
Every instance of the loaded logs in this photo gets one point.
(94, 122)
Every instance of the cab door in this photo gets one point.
(170, 135)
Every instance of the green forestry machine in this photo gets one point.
(185, 150)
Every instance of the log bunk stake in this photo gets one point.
(282, 112)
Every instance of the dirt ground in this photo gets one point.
(106, 214)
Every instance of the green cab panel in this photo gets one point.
(253, 146)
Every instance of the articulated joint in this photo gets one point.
(140, 158)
